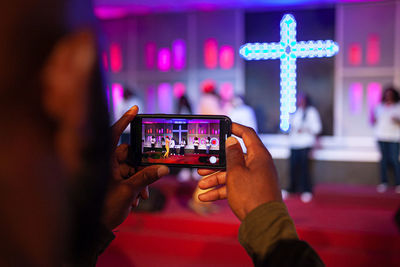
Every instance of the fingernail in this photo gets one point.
(162, 171)
(133, 110)
(231, 141)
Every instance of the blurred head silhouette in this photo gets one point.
(390, 96)
(55, 139)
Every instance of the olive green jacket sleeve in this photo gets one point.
(269, 236)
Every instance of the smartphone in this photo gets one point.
(190, 141)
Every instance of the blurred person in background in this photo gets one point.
(305, 126)
(184, 106)
(64, 182)
(387, 132)
(242, 113)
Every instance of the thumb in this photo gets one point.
(147, 176)
(234, 154)
(119, 127)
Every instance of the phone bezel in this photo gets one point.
(136, 139)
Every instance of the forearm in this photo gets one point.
(264, 226)
(269, 236)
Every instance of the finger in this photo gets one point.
(136, 202)
(250, 138)
(121, 152)
(126, 171)
(213, 180)
(119, 127)
(204, 172)
(145, 193)
(212, 195)
(147, 176)
(234, 154)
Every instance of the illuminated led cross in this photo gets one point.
(288, 50)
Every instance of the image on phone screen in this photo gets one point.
(182, 141)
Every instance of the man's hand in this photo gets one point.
(250, 180)
(127, 186)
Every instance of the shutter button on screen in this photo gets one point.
(213, 160)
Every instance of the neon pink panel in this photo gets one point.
(117, 92)
(164, 59)
(179, 54)
(226, 57)
(356, 98)
(211, 53)
(105, 60)
(226, 91)
(374, 95)
(373, 49)
(115, 57)
(179, 89)
(355, 54)
(165, 98)
(151, 52)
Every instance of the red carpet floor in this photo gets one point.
(347, 225)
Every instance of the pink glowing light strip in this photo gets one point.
(374, 95)
(356, 98)
(179, 54)
(226, 57)
(355, 54)
(117, 92)
(115, 57)
(164, 59)
(211, 53)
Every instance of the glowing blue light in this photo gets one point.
(288, 50)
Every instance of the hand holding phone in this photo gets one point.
(249, 181)
(191, 141)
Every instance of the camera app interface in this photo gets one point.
(180, 141)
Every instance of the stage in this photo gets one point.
(347, 225)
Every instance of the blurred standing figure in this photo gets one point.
(208, 145)
(387, 132)
(210, 101)
(172, 146)
(184, 106)
(130, 99)
(153, 143)
(182, 147)
(163, 145)
(242, 113)
(305, 126)
(166, 154)
(196, 145)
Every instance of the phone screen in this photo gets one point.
(193, 141)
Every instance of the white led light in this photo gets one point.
(288, 50)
